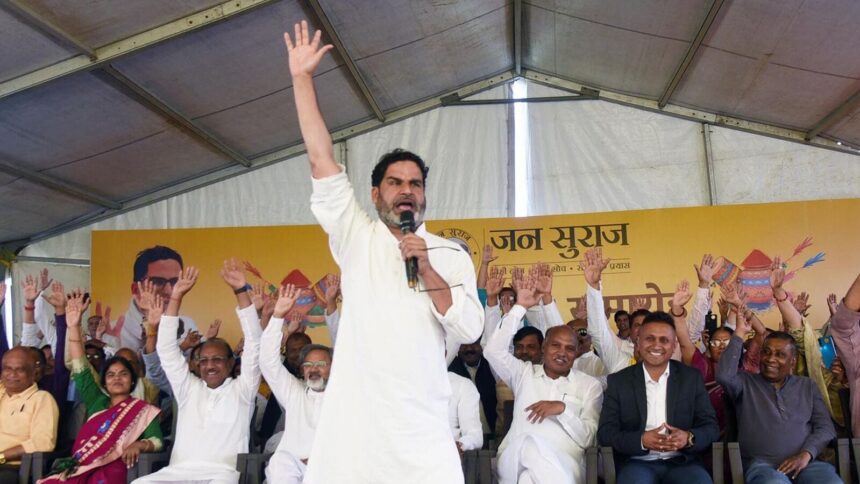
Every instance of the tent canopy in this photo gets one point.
(110, 105)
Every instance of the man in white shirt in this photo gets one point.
(214, 417)
(301, 399)
(556, 408)
(464, 413)
(385, 415)
(657, 415)
(587, 361)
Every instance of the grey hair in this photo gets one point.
(306, 349)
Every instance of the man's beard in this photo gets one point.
(389, 218)
(317, 384)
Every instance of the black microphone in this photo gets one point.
(407, 226)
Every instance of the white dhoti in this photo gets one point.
(192, 473)
(530, 459)
(285, 468)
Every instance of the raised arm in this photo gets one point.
(705, 273)
(486, 258)
(29, 329)
(497, 351)
(679, 315)
(602, 338)
(790, 316)
(279, 379)
(174, 365)
(75, 308)
(233, 273)
(305, 55)
(727, 369)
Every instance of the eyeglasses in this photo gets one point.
(314, 364)
(718, 343)
(94, 357)
(582, 331)
(161, 282)
(215, 360)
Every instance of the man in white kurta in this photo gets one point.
(552, 450)
(302, 407)
(464, 413)
(385, 414)
(213, 423)
(385, 417)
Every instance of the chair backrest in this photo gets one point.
(731, 415)
(845, 401)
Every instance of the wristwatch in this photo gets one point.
(245, 288)
(690, 439)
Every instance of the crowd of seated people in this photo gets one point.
(658, 389)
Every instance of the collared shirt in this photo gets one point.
(570, 432)
(774, 424)
(28, 419)
(655, 396)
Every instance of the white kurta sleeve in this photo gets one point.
(251, 330)
(601, 336)
(492, 320)
(279, 379)
(464, 320)
(44, 316)
(582, 413)
(544, 316)
(172, 362)
(331, 323)
(29, 334)
(335, 208)
(469, 417)
(696, 321)
(506, 367)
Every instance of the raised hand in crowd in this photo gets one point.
(801, 303)
(494, 285)
(287, 296)
(212, 332)
(733, 294)
(518, 275)
(76, 305)
(527, 295)
(680, 299)
(151, 299)
(832, 303)
(57, 297)
(486, 258)
(44, 280)
(146, 299)
(258, 297)
(791, 317)
(332, 293)
(191, 340)
(637, 303)
(723, 309)
(837, 369)
(743, 324)
(296, 319)
(706, 270)
(592, 266)
(184, 284)
(28, 289)
(266, 312)
(580, 311)
(543, 282)
(233, 273)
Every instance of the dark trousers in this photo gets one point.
(663, 472)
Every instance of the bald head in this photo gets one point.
(19, 370)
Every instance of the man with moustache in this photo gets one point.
(470, 363)
(783, 424)
(556, 408)
(656, 414)
(301, 399)
(385, 415)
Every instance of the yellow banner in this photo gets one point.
(651, 251)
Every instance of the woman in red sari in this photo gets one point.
(118, 427)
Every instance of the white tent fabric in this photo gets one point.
(749, 168)
(466, 148)
(595, 156)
